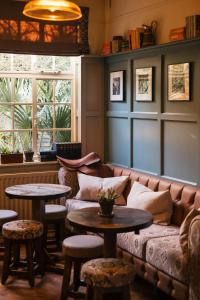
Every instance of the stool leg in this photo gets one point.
(29, 254)
(7, 259)
(39, 253)
(45, 233)
(126, 292)
(66, 278)
(89, 293)
(16, 254)
(98, 294)
(76, 281)
(60, 231)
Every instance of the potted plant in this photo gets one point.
(9, 157)
(106, 202)
(28, 155)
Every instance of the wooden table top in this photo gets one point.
(37, 191)
(124, 220)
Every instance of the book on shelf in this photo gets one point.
(177, 34)
(134, 38)
(192, 26)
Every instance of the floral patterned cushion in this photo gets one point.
(108, 272)
(136, 243)
(22, 230)
(166, 255)
(69, 178)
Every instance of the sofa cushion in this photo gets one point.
(72, 204)
(158, 203)
(165, 254)
(136, 243)
(90, 186)
(184, 231)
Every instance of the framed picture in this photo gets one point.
(144, 84)
(179, 82)
(117, 86)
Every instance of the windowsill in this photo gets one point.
(29, 167)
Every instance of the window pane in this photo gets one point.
(63, 90)
(5, 62)
(23, 141)
(62, 116)
(6, 141)
(62, 64)
(45, 116)
(5, 117)
(23, 117)
(63, 136)
(44, 91)
(5, 90)
(23, 89)
(43, 63)
(45, 139)
(21, 62)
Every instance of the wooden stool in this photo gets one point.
(6, 216)
(77, 250)
(55, 215)
(107, 276)
(20, 232)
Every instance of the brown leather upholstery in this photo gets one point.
(184, 197)
(89, 159)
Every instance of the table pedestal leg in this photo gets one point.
(110, 246)
(38, 210)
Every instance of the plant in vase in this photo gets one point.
(9, 157)
(28, 154)
(106, 201)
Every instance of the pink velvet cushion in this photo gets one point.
(90, 186)
(158, 203)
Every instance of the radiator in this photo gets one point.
(23, 207)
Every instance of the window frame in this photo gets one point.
(48, 75)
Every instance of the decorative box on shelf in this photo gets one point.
(68, 150)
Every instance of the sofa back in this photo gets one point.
(184, 197)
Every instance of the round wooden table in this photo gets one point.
(38, 193)
(124, 220)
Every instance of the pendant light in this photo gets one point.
(52, 10)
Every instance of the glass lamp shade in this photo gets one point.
(52, 10)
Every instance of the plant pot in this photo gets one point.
(106, 208)
(11, 158)
(28, 156)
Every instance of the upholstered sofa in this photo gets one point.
(156, 252)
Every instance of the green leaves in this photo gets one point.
(107, 195)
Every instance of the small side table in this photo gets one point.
(38, 193)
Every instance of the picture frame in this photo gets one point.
(117, 86)
(144, 84)
(178, 82)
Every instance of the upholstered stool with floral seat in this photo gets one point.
(77, 250)
(6, 215)
(107, 275)
(16, 233)
(55, 215)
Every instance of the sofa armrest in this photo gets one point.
(194, 259)
(69, 178)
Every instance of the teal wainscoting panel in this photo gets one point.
(180, 145)
(146, 145)
(118, 141)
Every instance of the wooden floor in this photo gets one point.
(48, 288)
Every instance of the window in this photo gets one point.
(36, 101)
